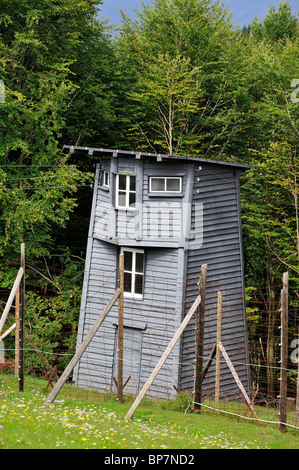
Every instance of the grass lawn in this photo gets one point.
(80, 419)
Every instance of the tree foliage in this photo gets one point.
(196, 35)
(277, 25)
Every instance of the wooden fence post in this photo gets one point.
(22, 323)
(200, 339)
(297, 396)
(219, 319)
(17, 332)
(120, 330)
(284, 353)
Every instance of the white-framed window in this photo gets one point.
(106, 179)
(165, 184)
(133, 272)
(126, 191)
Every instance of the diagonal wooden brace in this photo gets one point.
(236, 377)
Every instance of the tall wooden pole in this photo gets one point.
(22, 323)
(284, 353)
(17, 333)
(200, 339)
(297, 396)
(219, 319)
(121, 330)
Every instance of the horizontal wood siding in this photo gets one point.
(216, 188)
(95, 367)
(162, 215)
(155, 317)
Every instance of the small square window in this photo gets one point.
(173, 185)
(158, 184)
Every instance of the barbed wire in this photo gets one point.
(246, 417)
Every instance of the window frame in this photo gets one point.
(133, 272)
(105, 180)
(107, 174)
(126, 191)
(165, 191)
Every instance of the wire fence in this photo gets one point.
(56, 342)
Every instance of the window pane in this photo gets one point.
(138, 283)
(157, 184)
(173, 184)
(128, 260)
(127, 282)
(122, 182)
(132, 183)
(132, 199)
(139, 262)
(106, 178)
(122, 199)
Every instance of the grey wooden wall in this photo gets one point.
(217, 189)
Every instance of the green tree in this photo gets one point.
(168, 97)
(280, 24)
(197, 33)
(40, 45)
(270, 190)
(51, 63)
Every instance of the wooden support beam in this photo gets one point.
(209, 361)
(163, 358)
(128, 379)
(82, 348)
(252, 401)
(6, 333)
(11, 297)
(39, 353)
(50, 377)
(236, 377)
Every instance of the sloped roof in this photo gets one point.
(159, 157)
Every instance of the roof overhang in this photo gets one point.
(157, 156)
